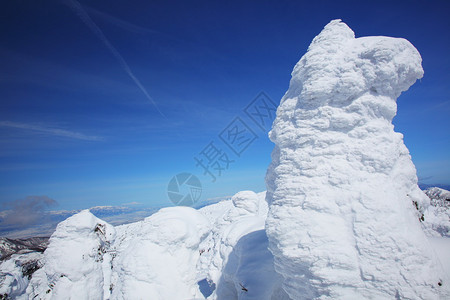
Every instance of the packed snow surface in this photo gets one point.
(342, 188)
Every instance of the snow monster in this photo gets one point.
(341, 185)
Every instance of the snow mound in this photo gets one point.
(74, 261)
(341, 186)
(157, 257)
(246, 200)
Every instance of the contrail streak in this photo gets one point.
(78, 9)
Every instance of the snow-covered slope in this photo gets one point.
(438, 196)
(436, 217)
(217, 252)
(16, 272)
(341, 186)
(11, 246)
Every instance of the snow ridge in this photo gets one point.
(172, 254)
(341, 185)
(217, 252)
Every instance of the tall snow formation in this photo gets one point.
(341, 185)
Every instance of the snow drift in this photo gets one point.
(236, 253)
(341, 185)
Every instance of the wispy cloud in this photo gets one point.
(50, 131)
(441, 105)
(83, 15)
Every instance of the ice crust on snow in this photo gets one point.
(341, 185)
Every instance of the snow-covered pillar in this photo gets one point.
(341, 185)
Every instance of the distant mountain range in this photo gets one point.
(11, 246)
(424, 186)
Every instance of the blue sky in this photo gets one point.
(102, 102)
